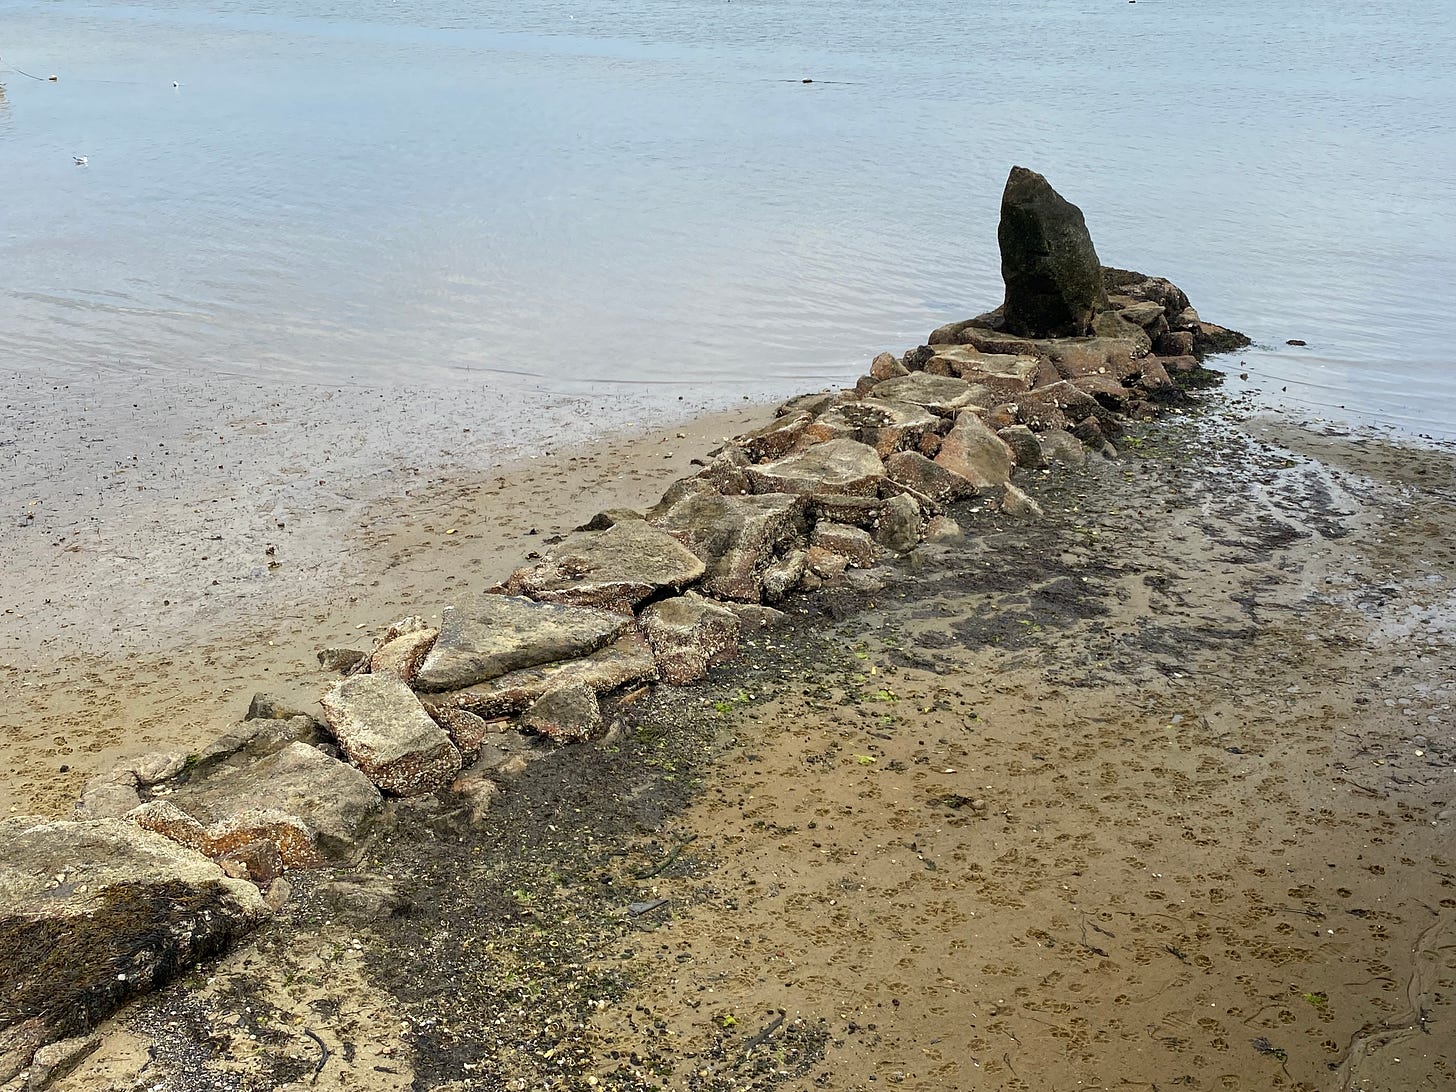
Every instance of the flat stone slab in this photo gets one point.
(736, 537)
(95, 913)
(885, 425)
(491, 635)
(625, 661)
(615, 569)
(942, 395)
(836, 466)
(332, 800)
(385, 731)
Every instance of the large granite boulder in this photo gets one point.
(934, 481)
(489, 635)
(1053, 278)
(385, 731)
(95, 913)
(615, 569)
(735, 537)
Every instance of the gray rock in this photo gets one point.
(1111, 324)
(342, 660)
(1060, 446)
(942, 395)
(775, 438)
(837, 466)
(270, 707)
(856, 511)
(109, 795)
(976, 453)
(900, 528)
(783, 575)
(851, 543)
(615, 569)
(95, 913)
(736, 537)
(884, 425)
(1025, 447)
(1014, 502)
(754, 616)
(403, 655)
(812, 404)
(725, 473)
(1053, 276)
(254, 739)
(688, 635)
(1145, 313)
(567, 714)
(610, 517)
(236, 804)
(489, 635)
(940, 484)
(1054, 405)
(365, 898)
(53, 1062)
(624, 662)
(385, 731)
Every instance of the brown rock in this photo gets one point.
(929, 479)
(885, 366)
(977, 454)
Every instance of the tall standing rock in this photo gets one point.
(1052, 273)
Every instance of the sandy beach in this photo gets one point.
(1153, 792)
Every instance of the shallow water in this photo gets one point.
(552, 199)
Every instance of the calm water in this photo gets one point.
(565, 196)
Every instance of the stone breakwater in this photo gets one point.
(173, 856)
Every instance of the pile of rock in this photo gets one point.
(836, 482)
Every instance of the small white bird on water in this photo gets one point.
(81, 160)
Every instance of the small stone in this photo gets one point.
(341, 659)
(570, 714)
(1016, 503)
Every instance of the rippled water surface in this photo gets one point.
(566, 196)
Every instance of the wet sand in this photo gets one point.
(157, 575)
(1154, 792)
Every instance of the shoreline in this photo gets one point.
(976, 825)
(185, 683)
(927, 621)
